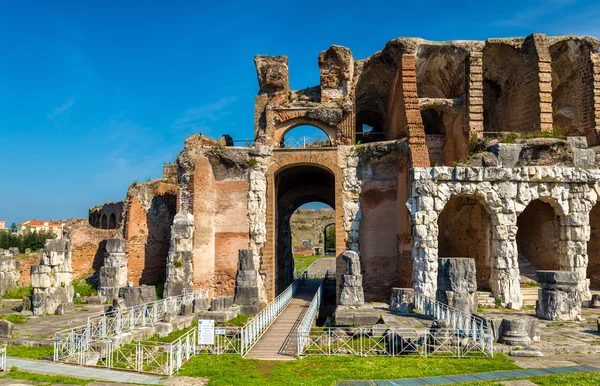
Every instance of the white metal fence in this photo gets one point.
(3, 358)
(309, 318)
(393, 342)
(68, 343)
(469, 325)
(304, 142)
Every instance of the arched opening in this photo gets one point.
(572, 87)
(593, 268)
(308, 240)
(369, 127)
(112, 221)
(510, 98)
(296, 186)
(329, 237)
(537, 245)
(104, 222)
(465, 230)
(305, 136)
(435, 134)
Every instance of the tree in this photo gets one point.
(13, 227)
(330, 238)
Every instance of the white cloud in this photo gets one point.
(61, 110)
(199, 118)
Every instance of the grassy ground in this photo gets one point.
(43, 378)
(302, 262)
(587, 379)
(40, 352)
(230, 369)
(15, 318)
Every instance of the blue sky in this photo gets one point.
(95, 95)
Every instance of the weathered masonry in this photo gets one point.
(429, 150)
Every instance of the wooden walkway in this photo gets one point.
(280, 341)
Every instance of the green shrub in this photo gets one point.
(33, 241)
(18, 292)
(303, 228)
(84, 288)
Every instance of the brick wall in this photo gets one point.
(474, 93)
(419, 155)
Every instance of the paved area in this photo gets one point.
(279, 342)
(47, 367)
(477, 377)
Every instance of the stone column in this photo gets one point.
(9, 273)
(246, 284)
(113, 274)
(505, 267)
(52, 279)
(179, 264)
(351, 289)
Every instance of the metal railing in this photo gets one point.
(3, 358)
(309, 318)
(67, 343)
(472, 326)
(392, 342)
(304, 142)
(256, 326)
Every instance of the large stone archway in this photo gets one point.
(294, 178)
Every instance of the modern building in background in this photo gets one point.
(34, 226)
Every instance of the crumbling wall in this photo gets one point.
(573, 86)
(151, 207)
(380, 214)
(88, 246)
(106, 216)
(511, 94)
(309, 225)
(593, 248)
(216, 191)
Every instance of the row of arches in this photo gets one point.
(465, 230)
(104, 220)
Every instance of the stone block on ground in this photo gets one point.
(515, 332)
(6, 329)
(201, 304)
(558, 297)
(220, 303)
(457, 283)
(97, 300)
(163, 329)
(134, 296)
(220, 316)
(365, 315)
(351, 291)
(507, 153)
(402, 300)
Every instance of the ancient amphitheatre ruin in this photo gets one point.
(462, 173)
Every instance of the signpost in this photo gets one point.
(206, 332)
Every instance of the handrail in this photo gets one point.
(3, 357)
(469, 324)
(309, 317)
(256, 327)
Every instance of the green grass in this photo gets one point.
(39, 352)
(302, 262)
(230, 369)
(15, 318)
(84, 288)
(530, 284)
(15, 373)
(238, 321)
(18, 292)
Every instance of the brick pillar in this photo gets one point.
(545, 80)
(474, 94)
(419, 155)
(595, 58)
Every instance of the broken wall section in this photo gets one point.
(150, 209)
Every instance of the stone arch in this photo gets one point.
(104, 221)
(465, 229)
(112, 221)
(284, 161)
(538, 236)
(593, 248)
(282, 128)
(441, 71)
(325, 249)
